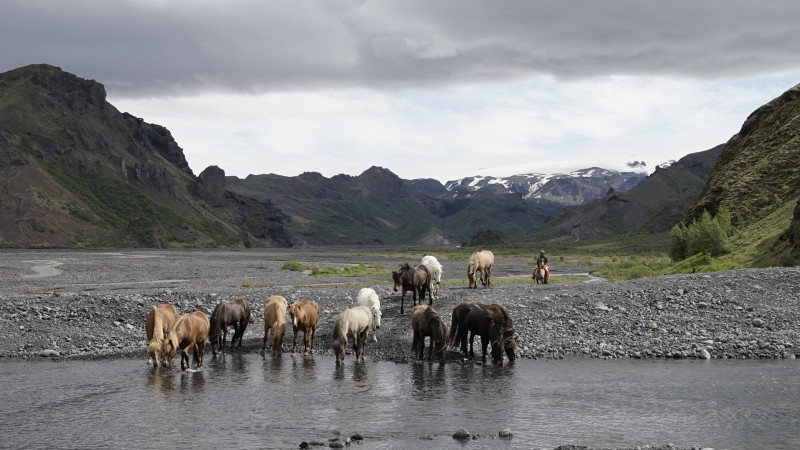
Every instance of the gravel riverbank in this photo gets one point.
(84, 304)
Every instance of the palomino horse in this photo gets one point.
(234, 312)
(426, 322)
(482, 262)
(190, 332)
(275, 319)
(415, 279)
(369, 298)
(304, 317)
(435, 269)
(487, 323)
(539, 273)
(351, 323)
(157, 324)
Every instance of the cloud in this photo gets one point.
(181, 47)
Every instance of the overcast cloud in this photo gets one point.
(336, 86)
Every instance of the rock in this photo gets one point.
(50, 353)
(704, 354)
(600, 306)
(757, 322)
(505, 433)
(462, 434)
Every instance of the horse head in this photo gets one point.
(169, 348)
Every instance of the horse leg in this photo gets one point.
(484, 344)
(305, 342)
(313, 335)
(402, 299)
(471, 341)
(294, 340)
(430, 352)
(264, 344)
(199, 353)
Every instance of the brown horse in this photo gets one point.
(234, 312)
(275, 319)
(426, 322)
(190, 332)
(157, 324)
(304, 317)
(351, 323)
(509, 340)
(539, 273)
(482, 262)
(416, 279)
(488, 323)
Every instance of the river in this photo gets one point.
(246, 401)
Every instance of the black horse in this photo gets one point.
(416, 279)
(235, 313)
(491, 322)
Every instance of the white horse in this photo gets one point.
(369, 298)
(435, 269)
(352, 322)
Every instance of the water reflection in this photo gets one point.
(161, 380)
(192, 382)
(428, 381)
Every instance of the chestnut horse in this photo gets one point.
(416, 280)
(275, 319)
(234, 312)
(369, 298)
(304, 317)
(157, 324)
(190, 332)
(426, 322)
(352, 322)
(482, 262)
(488, 323)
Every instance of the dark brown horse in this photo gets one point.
(190, 332)
(475, 319)
(235, 313)
(304, 317)
(416, 279)
(426, 322)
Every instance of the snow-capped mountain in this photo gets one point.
(568, 189)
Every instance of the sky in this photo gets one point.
(439, 89)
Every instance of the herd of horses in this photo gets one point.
(168, 333)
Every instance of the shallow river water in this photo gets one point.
(246, 401)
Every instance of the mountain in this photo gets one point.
(75, 172)
(565, 189)
(377, 207)
(758, 173)
(653, 206)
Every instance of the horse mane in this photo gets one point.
(471, 267)
(339, 335)
(216, 318)
(172, 336)
(407, 273)
(438, 329)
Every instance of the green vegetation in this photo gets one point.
(348, 271)
(247, 284)
(703, 235)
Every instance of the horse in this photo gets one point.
(509, 343)
(157, 324)
(190, 332)
(416, 280)
(304, 317)
(369, 298)
(435, 269)
(475, 319)
(275, 319)
(234, 312)
(539, 273)
(352, 322)
(482, 262)
(426, 322)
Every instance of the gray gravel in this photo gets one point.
(88, 304)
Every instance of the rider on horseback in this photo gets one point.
(544, 262)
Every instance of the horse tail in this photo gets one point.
(158, 332)
(453, 330)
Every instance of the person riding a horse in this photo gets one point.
(544, 264)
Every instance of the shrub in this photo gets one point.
(704, 234)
